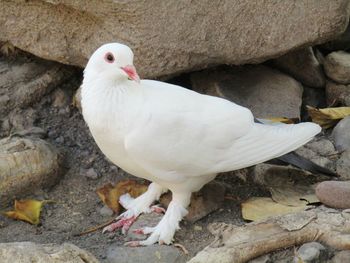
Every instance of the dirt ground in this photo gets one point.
(77, 205)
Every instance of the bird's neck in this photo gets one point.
(109, 103)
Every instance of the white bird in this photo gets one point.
(176, 138)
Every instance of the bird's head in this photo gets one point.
(112, 61)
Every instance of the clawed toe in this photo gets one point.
(132, 244)
(123, 223)
(158, 209)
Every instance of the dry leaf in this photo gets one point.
(110, 194)
(328, 117)
(296, 195)
(283, 120)
(259, 208)
(27, 210)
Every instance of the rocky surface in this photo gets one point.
(337, 66)
(27, 165)
(337, 94)
(334, 194)
(341, 257)
(155, 253)
(343, 165)
(303, 66)
(199, 35)
(342, 42)
(23, 82)
(320, 151)
(266, 92)
(28, 252)
(341, 135)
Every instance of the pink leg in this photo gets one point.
(123, 223)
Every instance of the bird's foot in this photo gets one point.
(135, 208)
(162, 233)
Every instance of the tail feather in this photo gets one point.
(266, 142)
(305, 164)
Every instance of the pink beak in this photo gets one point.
(131, 72)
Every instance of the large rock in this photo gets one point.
(337, 94)
(265, 91)
(341, 135)
(337, 66)
(26, 165)
(303, 66)
(155, 253)
(171, 36)
(343, 165)
(334, 194)
(28, 252)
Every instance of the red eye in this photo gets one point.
(109, 57)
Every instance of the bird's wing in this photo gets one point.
(182, 132)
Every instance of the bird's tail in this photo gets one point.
(299, 161)
(266, 142)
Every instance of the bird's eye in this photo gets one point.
(109, 57)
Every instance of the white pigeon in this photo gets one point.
(176, 138)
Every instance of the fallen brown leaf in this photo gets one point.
(328, 117)
(110, 194)
(27, 210)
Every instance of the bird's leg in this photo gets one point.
(163, 233)
(135, 207)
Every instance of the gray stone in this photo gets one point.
(261, 259)
(341, 257)
(144, 220)
(106, 211)
(28, 252)
(303, 66)
(341, 135)
(337, 94)
(265, 91)
(310, 253)
(343, 165)
(199, 35)
(337, 66)
(91, 174)
(154, 254)
(319, 151)
(26, 165)
(335, 194)
(60, 98)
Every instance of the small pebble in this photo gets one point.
(197, 228)
(309, 252)
(334, 194)
(91, 174)
(106, 211)
(59, 139)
